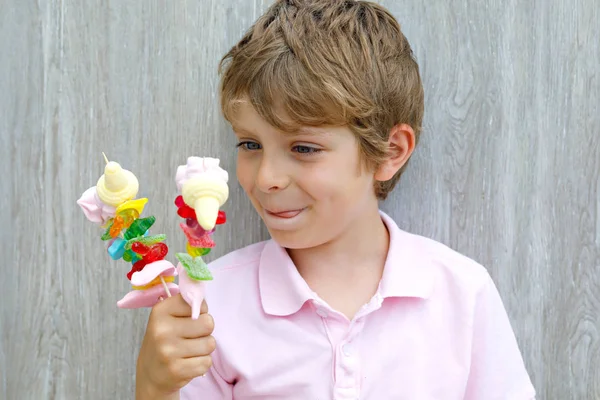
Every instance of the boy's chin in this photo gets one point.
(293, 240)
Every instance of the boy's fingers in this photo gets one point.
(199, 347)
(176, 306)
(191, 329)
(204, 308)
(194, 367)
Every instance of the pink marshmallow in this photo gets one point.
(152, 271)
(197, 166)
(93, 208)
(148, 297)
(191, 290)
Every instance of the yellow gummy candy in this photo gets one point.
(137, 205)
(155, 282)
(194, 251)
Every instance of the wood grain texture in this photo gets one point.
(507, 172)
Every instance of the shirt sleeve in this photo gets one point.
(497, 369)
(211, 386)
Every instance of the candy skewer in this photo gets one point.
(161, 278)
(203, 189)
(112, 204)
(165, 286)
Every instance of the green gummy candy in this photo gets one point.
(196, 267)
(106, 235)
(127, 256)
(139, 227)
(146, 240)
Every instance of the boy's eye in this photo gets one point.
(306, 149)
(249, 145)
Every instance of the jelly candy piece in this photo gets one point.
(205, 241)
(157, 252)
(117, 227)
(221, 218)
(128, 256)
(135, 257)
(140, 248)
(129, 216)
(139, 226)
(107, 223)
(186, 211)
(135, 205)
(196, 251)
(196, 229)
(117, 249)
(106, 235)
(147, 240)
(195, 267)
(179, 201)
(196, 240)
(154, 282)
(138, 266)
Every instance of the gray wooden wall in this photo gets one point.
(507, 171)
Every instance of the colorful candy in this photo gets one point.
(140, 248)
(112, 205)
(203, 187)
(157, 252)
(196, 251)
(139, 227)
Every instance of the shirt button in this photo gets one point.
(322, 312)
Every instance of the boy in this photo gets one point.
(326, 101)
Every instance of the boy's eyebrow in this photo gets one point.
(237, 129)
(310, 132)
(306, 131)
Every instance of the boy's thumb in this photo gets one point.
(198, 308)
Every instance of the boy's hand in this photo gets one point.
(175, 349)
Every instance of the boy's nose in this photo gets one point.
(271, 175)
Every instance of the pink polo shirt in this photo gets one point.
(435, 330)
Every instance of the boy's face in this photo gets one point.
(307, 187)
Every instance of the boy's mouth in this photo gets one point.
(286, 214)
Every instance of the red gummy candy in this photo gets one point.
(221, 218)
(157, 252)
(179, 201)
(138, 266)
(203, 241)
(186, 211)
(140, 248)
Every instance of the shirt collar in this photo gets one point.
(283, 291)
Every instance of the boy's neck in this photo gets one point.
(349, 267)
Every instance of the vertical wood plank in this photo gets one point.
(509, 167)
(25, 320)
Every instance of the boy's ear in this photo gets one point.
(401, 144)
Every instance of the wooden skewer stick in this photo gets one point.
(165, 286)
(105, 158)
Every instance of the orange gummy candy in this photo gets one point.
(117, 226)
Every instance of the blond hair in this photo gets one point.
(327, 62)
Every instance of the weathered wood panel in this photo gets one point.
(507, 172)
